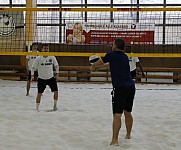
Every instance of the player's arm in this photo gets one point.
(57, 72)
(34, 68)
(97, 64)
(105, 66)
(141, 68)
(56, 66)
(27, 67)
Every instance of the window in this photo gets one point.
(47, 17)
(4, 1)
(73, 1)
(124, 1)
(98, 16)
(151, 1)
(19, 1)
(47, 1)
(47, 34)
(173, 35)
(173, 1)
(98, 1)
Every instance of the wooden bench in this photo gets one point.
(67, 73)
(83, 73)
(12, 72)
(159, 73)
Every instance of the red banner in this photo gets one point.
(132, 34)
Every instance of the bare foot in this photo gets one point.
(55, 108)
(114, 142)
(127, 136)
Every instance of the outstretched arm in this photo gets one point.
(105, 66)
(99, 65)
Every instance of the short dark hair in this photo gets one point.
(34, 44)
(120, 43)
(44, 45)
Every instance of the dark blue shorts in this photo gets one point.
(42, 83)
(122, 99)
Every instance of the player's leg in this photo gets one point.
(127, 112)
(117, 106)
(38, 100)
(28, 83)
(128, 123)
(41, 84)
(54, 88)
(36, 75)
(116, 126)
(55, 100)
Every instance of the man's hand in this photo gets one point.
(32, 78)
(93, 68)
(143, 74)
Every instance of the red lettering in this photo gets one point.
(128, 9)
(53, 9)
(59, 9)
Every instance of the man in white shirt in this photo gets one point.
(29, 62)
(132, 63)
(44, 65)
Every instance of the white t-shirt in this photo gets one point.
(132, 62)
(44, 65)
(31, 61)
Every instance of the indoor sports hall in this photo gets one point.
(76, 31)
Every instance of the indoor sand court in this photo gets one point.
(84, 118)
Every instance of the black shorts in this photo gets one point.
(35, 75)
(133, 74)
(122, 99)
(42, 83)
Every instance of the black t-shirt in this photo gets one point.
(119, 68)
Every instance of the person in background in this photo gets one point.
(132, 62)
(123, 87)
(29, 62)
(44, 65)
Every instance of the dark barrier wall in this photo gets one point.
(9, 60)
(159, 62)
(83, 61)
(77, 61)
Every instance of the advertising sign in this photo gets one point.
(94, 33)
